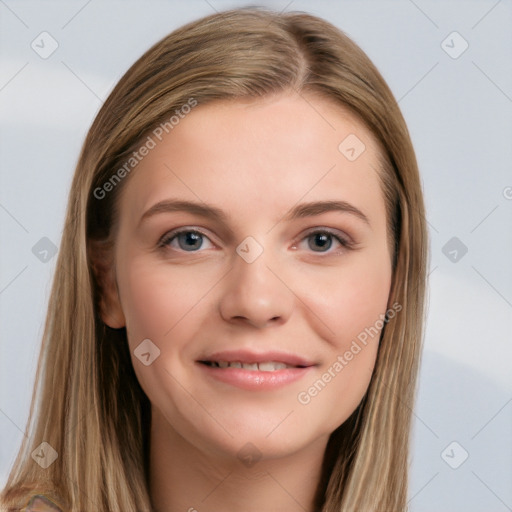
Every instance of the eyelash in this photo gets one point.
(345, 243)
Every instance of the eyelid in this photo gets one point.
(331, 231)
(169, 235)
(341, 237)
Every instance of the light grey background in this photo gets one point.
(459, 112)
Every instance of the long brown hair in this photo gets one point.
(87, 403)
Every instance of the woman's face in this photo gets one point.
(252, 252)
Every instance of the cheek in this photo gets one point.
(161, 306)
(155, 300)
(351, 299)
(361, 301)
(350, 311)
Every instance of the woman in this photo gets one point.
(236, 316)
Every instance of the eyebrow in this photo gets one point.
(211, 212)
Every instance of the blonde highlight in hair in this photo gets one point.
(87, 403)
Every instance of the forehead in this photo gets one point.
(259, 155)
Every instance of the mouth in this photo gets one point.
(264, 366)
(253, 371)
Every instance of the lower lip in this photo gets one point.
(255, 380)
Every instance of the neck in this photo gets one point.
(185, 479)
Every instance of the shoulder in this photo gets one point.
(41, 503)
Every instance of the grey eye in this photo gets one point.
(321, 240)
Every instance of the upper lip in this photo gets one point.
(247, 356)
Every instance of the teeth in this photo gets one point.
(271, 366)
(267, 366)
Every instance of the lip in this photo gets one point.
(255, 380)
(248, 356)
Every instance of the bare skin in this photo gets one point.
(216, 445)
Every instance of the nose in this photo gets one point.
(256, 294)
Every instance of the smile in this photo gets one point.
(248, 370)
(267, 366)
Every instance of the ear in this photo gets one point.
(101, 255)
